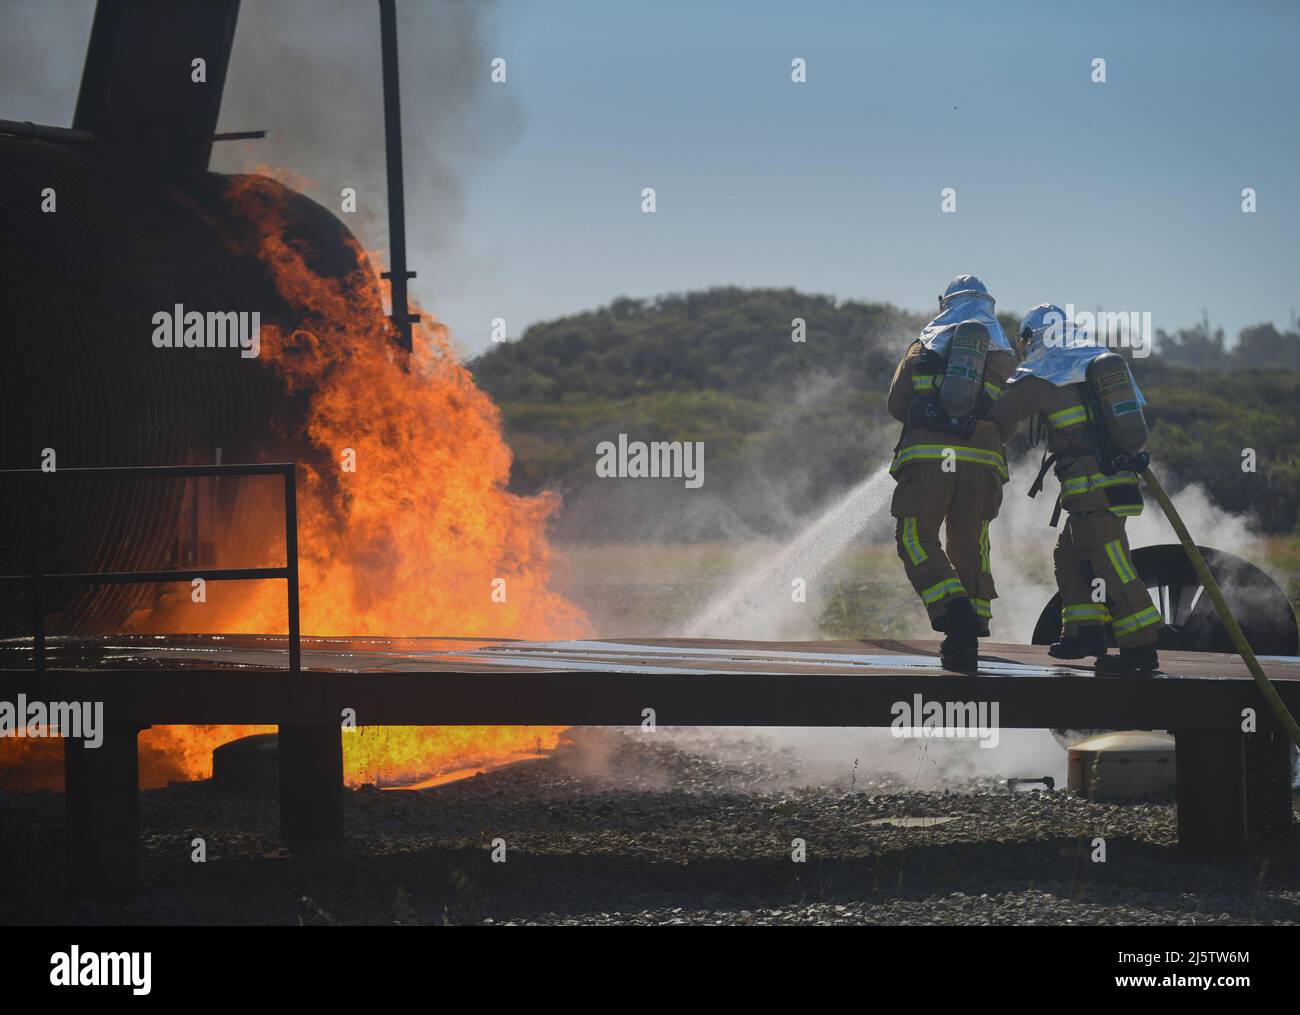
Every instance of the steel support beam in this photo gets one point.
(102, 797)
(1268, 783)
(311, 783)
(1211, 794)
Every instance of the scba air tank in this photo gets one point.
(964, 374)
(1118, 404)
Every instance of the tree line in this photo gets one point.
(723, 365)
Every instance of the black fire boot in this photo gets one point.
(1131, 662)
(1090, 641)
(960, 651)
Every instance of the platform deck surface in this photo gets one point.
(621, 655)
(154, 680)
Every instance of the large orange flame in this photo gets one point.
(423, 538)
(418, 537)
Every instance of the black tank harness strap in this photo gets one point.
(1048, 461)
(1056, 511)
(1037, 428)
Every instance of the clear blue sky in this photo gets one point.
(1123, 195)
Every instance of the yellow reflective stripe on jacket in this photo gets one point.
(1120, 562)
(983, 609)
(912, 542)
(1136, 621)
(942, 590)
(984, 548)
(1126, 510)
(935, 453)
(1073, 416)
(1076, 485)
(930, 382)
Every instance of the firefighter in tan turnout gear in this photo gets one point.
(1084, 398)
(949, 464)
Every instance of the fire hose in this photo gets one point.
(1266, 688)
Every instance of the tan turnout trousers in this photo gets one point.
(1093, 544)
(964, 501)
(951, 482)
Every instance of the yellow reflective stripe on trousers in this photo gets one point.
(1074, 613)
(1076, 485)
(1136, 621)
(935, 453)
(912, 543)
(1120, 562)
(983, 609)
(985, 566)
(1072, 416)
(942, 590)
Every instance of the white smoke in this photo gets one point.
(1208, 524)
(309, 73)
(873, 760)
(756, 604)
(762, 604)
(1022, 540)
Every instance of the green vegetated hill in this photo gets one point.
(720, 366)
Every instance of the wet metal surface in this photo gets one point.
(175, 679)
(651, 656)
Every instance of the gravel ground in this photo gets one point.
(622, 828)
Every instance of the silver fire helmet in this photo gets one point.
(965, 299)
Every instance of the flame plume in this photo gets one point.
(411, 543)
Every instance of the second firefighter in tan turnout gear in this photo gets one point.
(950, 471)
(1093, 544)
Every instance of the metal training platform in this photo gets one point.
(1233, 787)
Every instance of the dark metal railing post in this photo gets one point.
(40, 577)
(398, 275)
(37, 503)
(291, 565)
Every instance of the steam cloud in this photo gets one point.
(754, 602)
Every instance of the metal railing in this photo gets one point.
(39, 579)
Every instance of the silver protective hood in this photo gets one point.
(973, 306)
(1060, 353)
